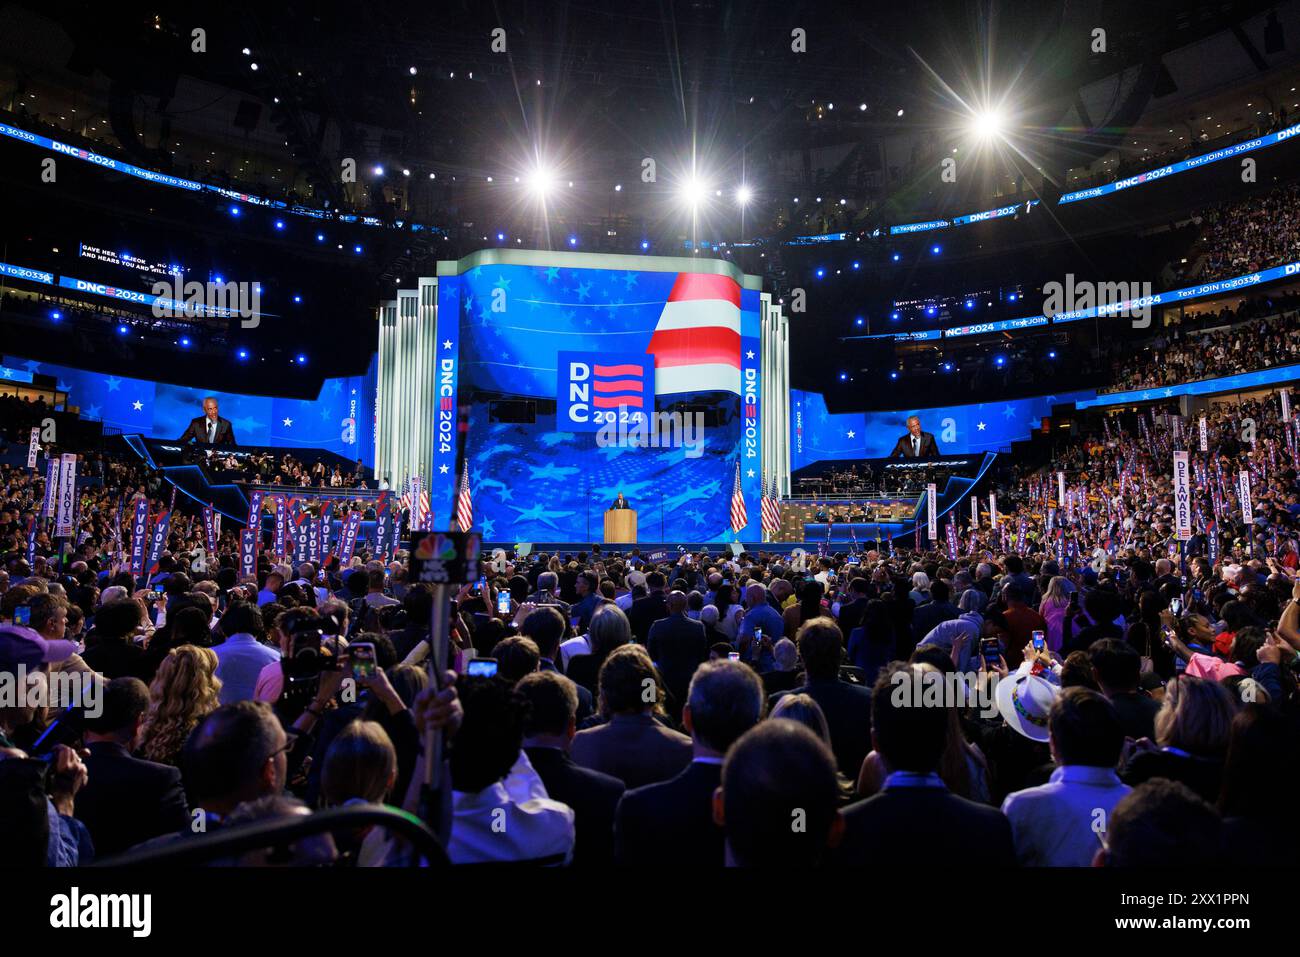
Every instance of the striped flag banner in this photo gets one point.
(771, 509)
(464, 502)
(739, 514)
(696, 342)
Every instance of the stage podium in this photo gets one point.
(620, 526)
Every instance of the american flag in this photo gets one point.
(464, 504)
(404, 500)
(771, 507)
(739, 514)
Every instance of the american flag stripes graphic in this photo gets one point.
(696, 342)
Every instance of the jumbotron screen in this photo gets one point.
(603, 353)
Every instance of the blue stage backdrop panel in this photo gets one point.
(543, 481)
(340, 419)
(817, 435)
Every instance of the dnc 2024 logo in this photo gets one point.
(598, 389)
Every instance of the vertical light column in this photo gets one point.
(427, 291)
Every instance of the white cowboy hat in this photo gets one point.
(1024, 700)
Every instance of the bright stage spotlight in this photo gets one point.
(987, 124)
(744, 195)
(693, 193)
(540, 181)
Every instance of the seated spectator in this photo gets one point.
(1193, 727)
(242, 656)
(847, 706)
(489, 824)
(185, 690)
(126, 800)
(776, 773)
(548, 732)
(1162, 823)
(111, 647)
(632, 745)
(914, 813)
(237, 753)
(1057, 824)
(1116, 667)
(672, 821)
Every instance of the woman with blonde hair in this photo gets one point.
(1193, 727)
(609, 629)
(1055, 601)
(183, 693)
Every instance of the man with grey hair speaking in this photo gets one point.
(209, 428)
(916, 444)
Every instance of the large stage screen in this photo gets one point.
(340, 419)
(581, 383)
(819, 435)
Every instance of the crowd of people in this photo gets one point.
(268, 467)
(1067, 686)
(1244, 236)
(1245, 347)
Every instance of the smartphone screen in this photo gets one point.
(23, 616)
(503, 603)
(362, 655)
(991, 651)
(734, 655)
(1039, 641)
(481, 667)
(1176, 606)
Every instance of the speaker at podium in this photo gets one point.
(620, 526)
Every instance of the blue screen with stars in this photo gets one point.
(340, 419)
(818, 435)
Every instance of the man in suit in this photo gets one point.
(646, 611)
(672, 822)
(546, 626)
(916, 444)
(126, 800)
(678, 646)
(548, 732)
(209, 428)
(847, 706)
(915, 816)
(633, 745)
(620, 502)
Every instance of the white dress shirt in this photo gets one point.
(1061, 823)
(492, 826)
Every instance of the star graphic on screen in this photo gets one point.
(7, 373)
(137, 405)
(749, 474)
(92, 411)
(288, 423)
(552, 274)
(324, 414)
(113, 382)
(502, 283)
(629, 279)
(749, 354)
(1009, 412)
(446, 344)
(32, 366)
(442, 469)
(584, 290)
(852, 434)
